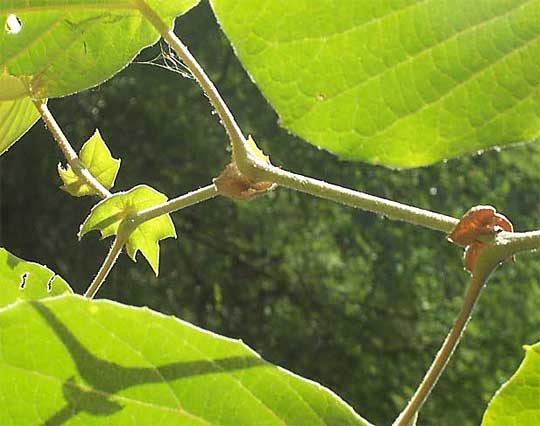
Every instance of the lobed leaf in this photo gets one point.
(517, 402)
(109, 214)
(69, 360)
(97, 158)
(20, 279)
(399, 83)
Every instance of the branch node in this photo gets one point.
(238, 180)
(477, 230)
(233, 184)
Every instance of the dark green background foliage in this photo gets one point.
(346, 298)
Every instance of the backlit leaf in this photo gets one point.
(17, 112)
(69, 360)
(517, 402)
(97, 158)
(107, 216)
(20, 279)
(64, 46)
(401, 83)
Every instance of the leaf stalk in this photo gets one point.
(485, 266)
(248, 164)
(108, 263)
(391, 209)
(234, 132)
(69, 153)
(175, 204)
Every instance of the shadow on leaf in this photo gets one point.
(102, 379)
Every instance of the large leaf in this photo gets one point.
(108, 215)
(68, 360)
(401, 83)
(17, 114)
(65, 46)
(518, 401)
(97, 158)
(20, 279)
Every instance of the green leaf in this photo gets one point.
(97, 158)
(69, 360)
(20, 279)
(65, 46)
(17, 113)
(107, 216)
(517, 402)
(400, 83)
(16, 118)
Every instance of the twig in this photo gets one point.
(227, 119)
(349, 197)
(510, 243)
(71, 156)
(260, 171)
(125, 230)
(388, 208)
(264, 172)
(249, 165)
(106, 267)
(178, 203)
(484, 267)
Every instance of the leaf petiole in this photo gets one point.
(175, 204)
(71, 156)
(107, 265)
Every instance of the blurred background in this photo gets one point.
(346, 298)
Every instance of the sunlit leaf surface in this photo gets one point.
(401, 83)
(69, 360)
(20, 279)
(64, 46)
(517, 403)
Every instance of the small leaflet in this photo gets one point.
(97, 158)
(108, 215)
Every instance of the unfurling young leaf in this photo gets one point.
(97, 158)
(109, 214)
